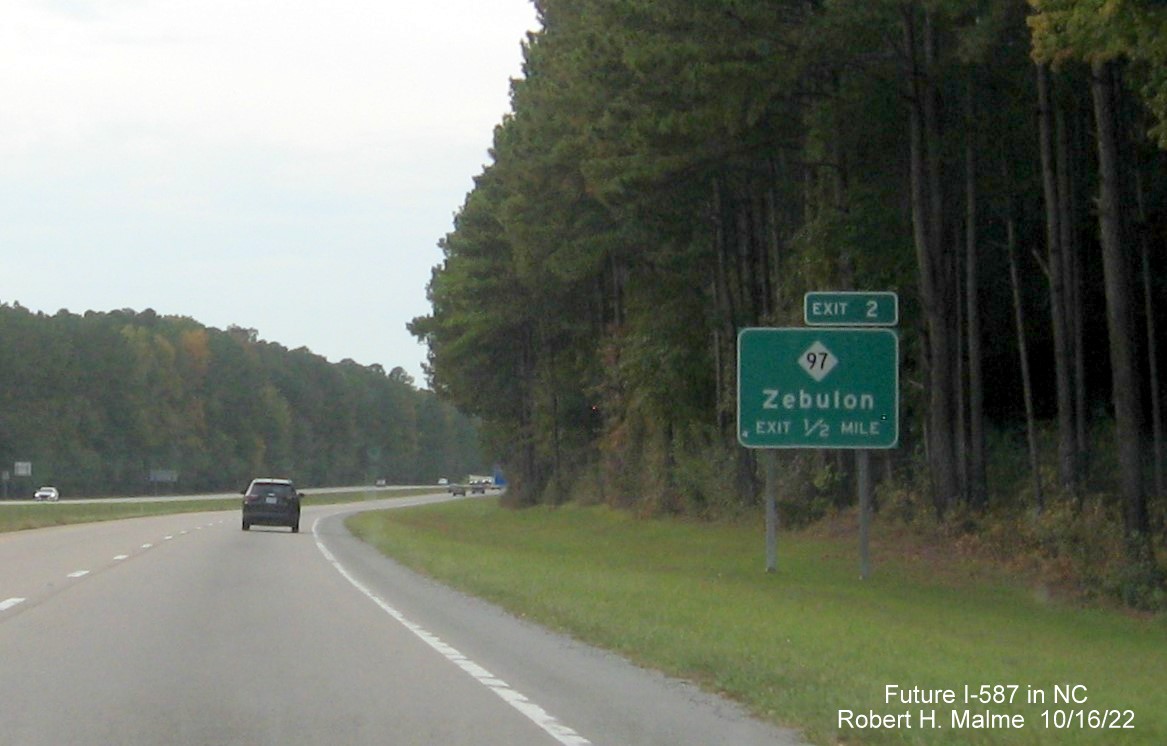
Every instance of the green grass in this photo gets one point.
(798, 645)
(27, 515)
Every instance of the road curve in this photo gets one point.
(184, 629)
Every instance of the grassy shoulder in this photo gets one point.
(800, 645)
(28, 515)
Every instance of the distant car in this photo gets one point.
(46, 493)
(457, 489)
(478, 486)
(443, 482)
(381, 483)
(271, 502)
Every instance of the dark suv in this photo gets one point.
(271, 502)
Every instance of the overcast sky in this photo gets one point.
(287, 166)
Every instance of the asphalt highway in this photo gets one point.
(183, 629)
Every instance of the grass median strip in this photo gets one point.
(806, 645)
(25, 515)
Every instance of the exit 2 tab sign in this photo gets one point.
(848, 308)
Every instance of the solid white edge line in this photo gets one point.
(8, 603)
(526, 707)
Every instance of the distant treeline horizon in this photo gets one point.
(126, 402)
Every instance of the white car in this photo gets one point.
(46, 493)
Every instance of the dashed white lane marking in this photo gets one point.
(8, 603)
(529, 709)
(167, 538)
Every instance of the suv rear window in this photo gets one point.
(260, 489)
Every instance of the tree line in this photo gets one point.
(104, 403)
(672, 171)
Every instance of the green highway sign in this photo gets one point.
(818, 388)
(847, 308)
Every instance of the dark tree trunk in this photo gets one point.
(1023, 353)
(1152, 345)
(977, 481)
(1056, 274)
(937, 283)
(961, 438)
(1120, 318)
(1072, 151)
